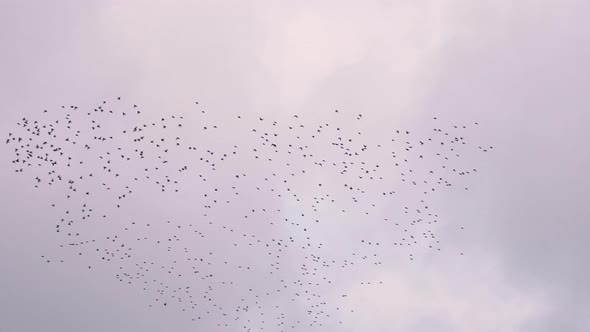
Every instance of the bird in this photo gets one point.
(276, 204)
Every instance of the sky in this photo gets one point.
(520, 69)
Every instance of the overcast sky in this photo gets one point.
(520, 68)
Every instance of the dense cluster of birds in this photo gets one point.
(241, 221)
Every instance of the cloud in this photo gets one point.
(520, 68)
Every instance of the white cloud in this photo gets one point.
(463, 295)
(307, 45)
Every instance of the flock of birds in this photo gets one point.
(241, 221)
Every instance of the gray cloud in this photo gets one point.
(520, 69)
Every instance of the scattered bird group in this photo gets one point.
(242, 221)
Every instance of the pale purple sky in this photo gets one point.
(520, 68)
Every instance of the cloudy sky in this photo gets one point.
(520, 68)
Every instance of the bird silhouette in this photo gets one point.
(264, 217)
